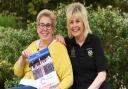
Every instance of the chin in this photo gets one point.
(44, 38)
(75, 35)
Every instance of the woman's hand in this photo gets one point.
(26, 53)
(60, 39)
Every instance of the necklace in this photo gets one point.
(43, 44)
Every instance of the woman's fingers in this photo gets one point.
(60, 39)
(26, 53)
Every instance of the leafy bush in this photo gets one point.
(8, 21)
(110, 25)
(11, 82)
(5, 72)
(112, 28)
(13, 41)
(61, 20)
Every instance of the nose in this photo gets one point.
(45, 28)
(74, 24)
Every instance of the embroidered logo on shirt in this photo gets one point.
(73, 52)
(90, 52)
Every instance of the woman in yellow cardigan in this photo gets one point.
(45, 28)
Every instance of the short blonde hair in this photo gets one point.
(78, 10)
(47, 13)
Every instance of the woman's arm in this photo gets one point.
(66, 73)
(19, 65)
(62, 65)
(101, 64)
(101, 77)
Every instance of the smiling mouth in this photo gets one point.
(75, 30)
(43, 34)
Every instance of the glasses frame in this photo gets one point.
(43, 26)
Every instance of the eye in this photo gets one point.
(77, 21)
(71, 22)
(48, 25)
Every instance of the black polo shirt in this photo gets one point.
(86, 60)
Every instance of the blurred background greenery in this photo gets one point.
(107, 18)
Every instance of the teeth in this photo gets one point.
(75, 30)
(44, 34)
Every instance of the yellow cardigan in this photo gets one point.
(61, 63)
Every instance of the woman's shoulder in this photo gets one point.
(93, 37)
(56, 44)
(34, 43)
(69, 41)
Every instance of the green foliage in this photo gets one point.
(13, 41)
(27, 10)
(11, 83)
(112, 28)
(110, 25)
(8, 21)
(5, 72)
(61, 20)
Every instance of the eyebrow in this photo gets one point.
(45, 23)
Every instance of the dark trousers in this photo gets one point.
(23, 87)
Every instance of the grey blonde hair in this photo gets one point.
(49, 14)
(78, 10)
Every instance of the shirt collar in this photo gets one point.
(86, 40)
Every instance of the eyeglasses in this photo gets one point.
(42, 25)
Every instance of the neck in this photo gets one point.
(80, 40)
(44, 43)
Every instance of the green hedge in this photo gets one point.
(12, 42)
(108, 23)
(8, 21)
(112, 28)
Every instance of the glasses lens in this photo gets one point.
(42, 25)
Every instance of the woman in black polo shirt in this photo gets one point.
(85, 51)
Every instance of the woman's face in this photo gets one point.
(45, 28)
(76, 27)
